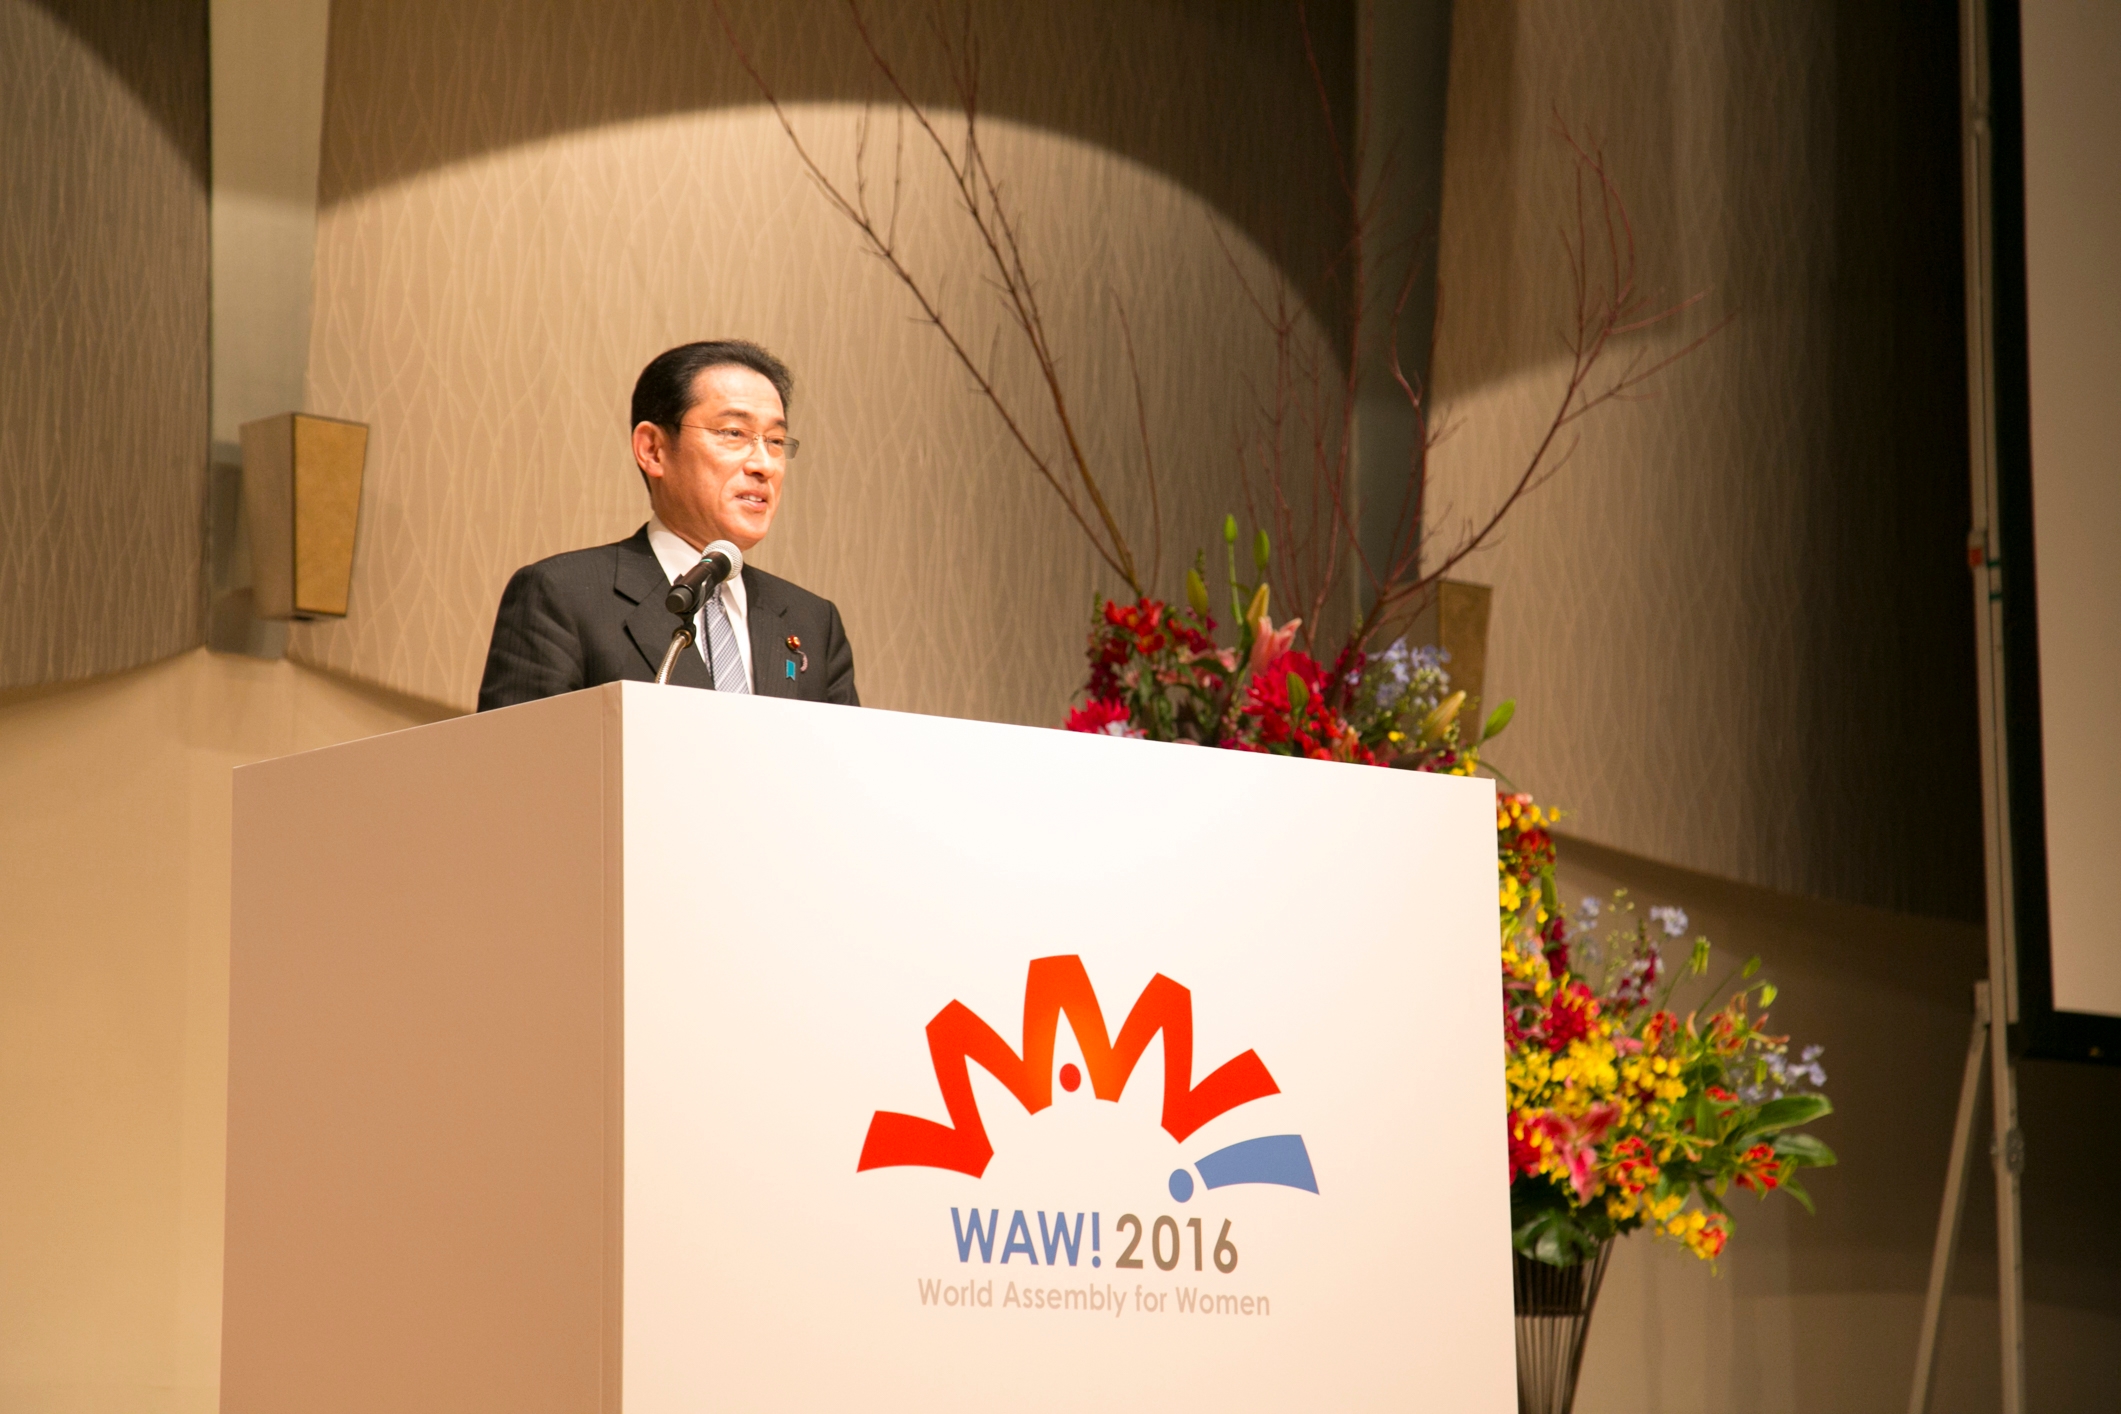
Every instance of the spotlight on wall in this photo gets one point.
(301, 498)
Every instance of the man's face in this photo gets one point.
(709, 483)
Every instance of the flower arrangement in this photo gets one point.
(1158, 672)
(1623, 1114)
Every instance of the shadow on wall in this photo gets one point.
(114, 924)
(486, 313)
(103, 335)
(1217, 97)
(1757, 575)
(1822, 1313)
(140, 55)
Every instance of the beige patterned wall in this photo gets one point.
(103, 386)
(1738, 622)
(500, 251)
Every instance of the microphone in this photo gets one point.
(719, 562)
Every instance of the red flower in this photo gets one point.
(1569, 1016)
(1298, 723)
(1524, 1155)
(1142, 621)
(1760, 1170)
(1633, 1168)
(1195, 640)
(1662, 1024)
(1101, 714)
(1554, 942)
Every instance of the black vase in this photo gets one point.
(1553, 1317)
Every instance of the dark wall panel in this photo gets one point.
(1740, 618)
(103, 347)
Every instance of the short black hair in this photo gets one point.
(663, 393)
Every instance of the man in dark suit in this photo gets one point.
(710, 436)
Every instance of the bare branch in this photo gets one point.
(1303, 425)
(1141, 420)
(980, 196)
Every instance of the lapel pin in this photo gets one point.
(795, 646)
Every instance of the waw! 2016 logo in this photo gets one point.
(1058, 986)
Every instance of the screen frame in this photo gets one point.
(2041, 1031)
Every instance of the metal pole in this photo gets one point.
(1983, 543)
(680, 640)
(1945, 1254)
(2009, 1155)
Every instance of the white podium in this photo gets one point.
(668, 1051)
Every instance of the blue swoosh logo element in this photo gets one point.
(1276, 1158)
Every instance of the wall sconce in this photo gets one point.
(1456, 620)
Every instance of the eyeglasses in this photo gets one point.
(735, 442)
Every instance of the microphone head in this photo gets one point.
(734, 555)
(716, 563)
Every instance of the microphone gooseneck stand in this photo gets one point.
(680, 640)
(717, 562)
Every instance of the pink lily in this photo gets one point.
(1269, 642)
(1576, 1140)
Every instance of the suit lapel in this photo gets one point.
(766, 614)
(640, 581)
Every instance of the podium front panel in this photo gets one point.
(423, 1088)
(972, 1066)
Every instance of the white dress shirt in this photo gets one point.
(676, 557)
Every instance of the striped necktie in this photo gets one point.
(724, 660)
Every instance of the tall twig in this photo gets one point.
(980, 197)
(1598, 248)
(1141, 423)
(1305, 417)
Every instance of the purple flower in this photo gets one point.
(1402, 665)
(1780, 1076)
(1671, 919)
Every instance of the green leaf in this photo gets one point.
(1498, 719)
(1536, 1194)
(1796, 1190)
(1789, 1112)
(1804, 1150)
(1525, 1232)
(1557, 1239)
(1298, 694)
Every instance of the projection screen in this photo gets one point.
(2071, 67)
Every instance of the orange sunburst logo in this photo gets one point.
(1055, 986)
